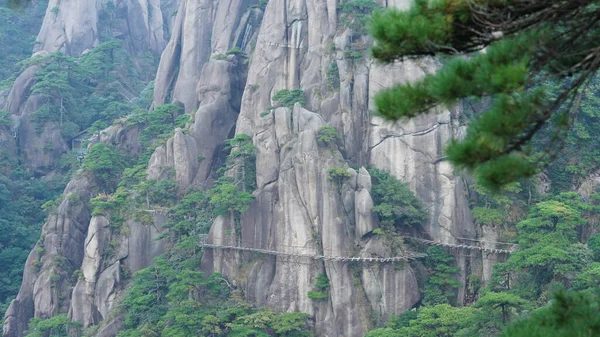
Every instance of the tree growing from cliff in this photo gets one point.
(441, 284)
(105, 164)
(395, 204)
(528, 44)
(77, 92)
(287, 98)
(232, 192)
(241, 161)
(159, 122)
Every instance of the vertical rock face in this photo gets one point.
(202, 28)
(78, 264)
(101, 279)
(72, 26)
(57, 254)
(299, 209)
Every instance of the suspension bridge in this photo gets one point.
(347, 256)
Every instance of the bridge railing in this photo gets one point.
(337, 255)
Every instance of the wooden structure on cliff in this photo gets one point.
(301, 253)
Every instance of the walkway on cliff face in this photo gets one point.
(346, 256)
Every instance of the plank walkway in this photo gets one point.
(461, 246)
(342, 258)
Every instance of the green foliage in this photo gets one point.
(441, 320)
(18, 30)
(441, 284)
(291, 324)
(166, 300)
(531, 83)
(226, 197)
(589, 278)
(182, 120)
(506, 302)
(403, 320)
(355, 13)
(394, 203)
(339, 174)
(21, 200)
(327, 135)
(548, 239)
(241, 161)
(353, 55)
(333, 76)
(232, 192)
(75, 93)
(159, 123)
(320, 288)
(161, 192)
(594, 244)
(5, 119)
(487, 216)
(106, 164)
(220, 57)
(550, 256)
(236, 51)
(262, 4)
(192, 214)
(579, 157)
(287, 98)
(572, 314)
(57, 326)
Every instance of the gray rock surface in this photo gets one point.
(72, 241)
(59, 250)
(72, 26)
(201, 29)
(180, 154)
(298, 208)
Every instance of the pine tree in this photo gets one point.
(529, 46)
(572, 314)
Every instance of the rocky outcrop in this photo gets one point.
(410, 150)
(74, 26)
(109, 258)
(301, 210)
(201, 29)
(180, 154)
(298, 208)
(81, 261)
(45, 290)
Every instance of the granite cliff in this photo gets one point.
(285, 44)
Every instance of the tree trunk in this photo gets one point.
(61, 111)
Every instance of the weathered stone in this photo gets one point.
(298, 209)
(179, 154)
(72, 26)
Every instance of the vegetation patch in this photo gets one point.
(395, 204)
(328, 136)
(287, 98)
(320, 288)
